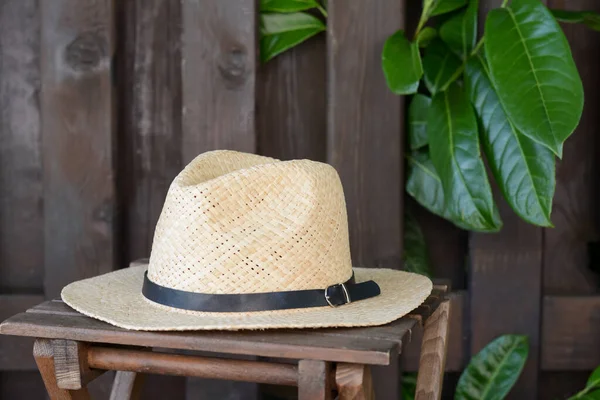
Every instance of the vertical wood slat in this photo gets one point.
(150, 40)
(365, 142)
(219, 62)
(575, 211)
(21, 219)
(77, 115)
(21, 189)
(364, 127)
(291, 109)
(149, 89)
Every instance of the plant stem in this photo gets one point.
(504, 3)
(322, 10)
(477, 47)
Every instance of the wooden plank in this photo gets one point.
(44, 357)
(127, 386)
(562, 385)
(505, 288)
(354, 382)
(570, 333)
(106, 358)
(433, 354)
(21, 220)
(15, 352)
(447, 246)
(285, 344)
(364, 127)
(151, 106)
(457, 338)
(291, 103)
(77, 114)
(575, 212)
(314, 380)
(219, 67)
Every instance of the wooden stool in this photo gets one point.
(72, 349)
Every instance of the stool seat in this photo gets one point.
(90, 345)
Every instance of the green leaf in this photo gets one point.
(287, 6)
(441, 66)
(409, 386)
(534, 72)
(445, 6)
(460, 31)
(595, 395)
(494, 370)
(417, 121)
(426, 36)
(425, 186)
(280, 32)
(589, 18)
(401, 63)
(416, 256)
(455, 153)
(594, 379)
(523, 168)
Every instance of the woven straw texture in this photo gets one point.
(241, 223)
(116, 298)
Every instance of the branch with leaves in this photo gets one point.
(515, 93)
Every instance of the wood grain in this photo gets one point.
(21, 190)
(314, 380)
(433, 354)
(285, 344)
(354, 382)
(15, 352)
(291, 103)
(77, 114)
(570, 333)
(173, 364)
(127, 386)
(150, 32)
(575, 210)
(364, 127)
(457, 338)
(71, 365)
(219, 68)
(42, 351)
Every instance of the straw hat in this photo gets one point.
(250, 242)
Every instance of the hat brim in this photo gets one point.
(116, 298)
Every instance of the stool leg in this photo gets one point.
(44, 358)
(433, 354)
(354, 382)
(314, 381)
(127, 386)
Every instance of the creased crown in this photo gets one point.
(241, 223)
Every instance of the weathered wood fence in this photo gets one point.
(103, 102)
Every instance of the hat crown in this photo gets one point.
(241, 223)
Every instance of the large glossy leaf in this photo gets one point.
(523, 168)
(401, 63)
(417, 121)
(455, 153)
(441, 66)
(416, 257)
(286, 6)
(425, 186)
(460, 31)
(280, 32)
(534, 72)
(494, 370)
(589, 18)
(594, 379)
(445, 6)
